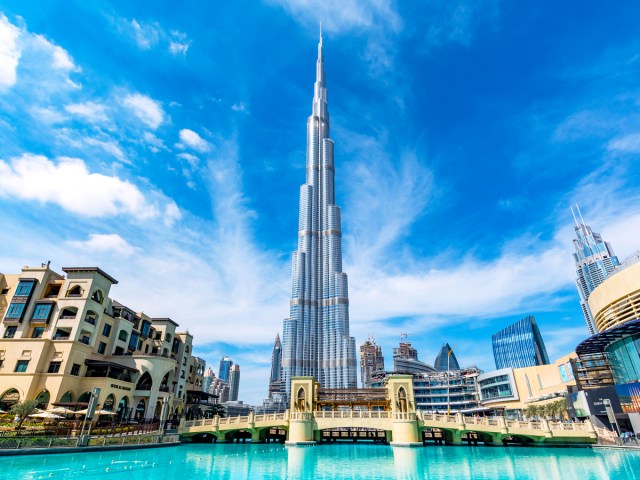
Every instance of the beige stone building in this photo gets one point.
(62, 335)
(514, 389)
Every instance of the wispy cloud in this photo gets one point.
(99, 242)
(148, 110)
(90, 111)
(9, 52)
(148, 35)
(191, 139)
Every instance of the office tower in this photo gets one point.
(276, 363)
(315, 337)
(446, 361)
(519, 345)
(234, 382)
(595, 262)
(225, 368)
(405, 359)
(371, 360)
(207, 380)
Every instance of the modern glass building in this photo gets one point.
(225, 369)
(405, 360)
(315, 337)
(519, 345)
(595, 262)
(276, 364)
(234, 382)
(446, 359)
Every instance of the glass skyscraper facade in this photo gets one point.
(595, 262)
(315, 337)
(446, 359)
(225, 369)
(519, 345)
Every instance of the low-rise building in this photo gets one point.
(61, 336)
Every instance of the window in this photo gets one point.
(85, 339)
(53, 291)
(75, 291)
(106, 330)
(37, 332)
(91, 317)
(54, 367)
(101, 348)
(122, 335)
(97, 297)
(21, 366)
(24, 288)
(68, 313)
(42, 311)
(167, 337)
(133, 341)
(10, 332)
(75, 369)
(15, 310)
(5, 291)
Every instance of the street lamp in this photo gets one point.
(448, 380)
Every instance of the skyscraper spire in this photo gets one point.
(315, 337)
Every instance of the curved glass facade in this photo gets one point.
(624, 358)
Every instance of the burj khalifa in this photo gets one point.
(316, 339)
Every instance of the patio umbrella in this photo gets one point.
(63, 410)
(44, 415)
(97, 412)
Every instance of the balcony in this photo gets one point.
(61, 337)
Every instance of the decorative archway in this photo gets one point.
(9, 398)
(43, 399)
(140, 408)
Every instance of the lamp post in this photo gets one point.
(448, 380)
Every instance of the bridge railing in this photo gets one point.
(271, 417)
(353, 414)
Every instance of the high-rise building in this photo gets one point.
(446, 360)
(225, 368)
(207, 380)
(315, 337)
(234, 382)
(595, 262)
(519, 345)
(276, 364)
(405, 359)
(220, 389)
(371, 361)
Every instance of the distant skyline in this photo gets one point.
(165, 144)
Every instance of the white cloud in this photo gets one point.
(627, 143)
(191, 139)
(9, 52)
(69, 184)
(342, 15)
(147, 110)
(191, 159)
(155, 144)
(146, 35)
(239, 107)
(178, 45)
(91, 111)
(98, 242)
(49, 116)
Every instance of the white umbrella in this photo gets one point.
(63, 410)
(2, 412)
(44, 415)
(97, 412)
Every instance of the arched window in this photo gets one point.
(301, 403)
(75, 291)
(43, 399)
(167, 338)
(139, 415)
(68, 313)
(9, 398)
(85, 397)
(123, 335)
(67, 397)
(98, 296)
(109, 403)
(402, 400)
(145, 382)
(123, 407)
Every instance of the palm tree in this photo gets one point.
(23, 410)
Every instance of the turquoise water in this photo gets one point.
(346, 461)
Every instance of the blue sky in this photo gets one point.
(165, 144)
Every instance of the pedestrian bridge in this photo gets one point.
(401, 424)
(453, 427)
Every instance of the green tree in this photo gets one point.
(23, 410)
